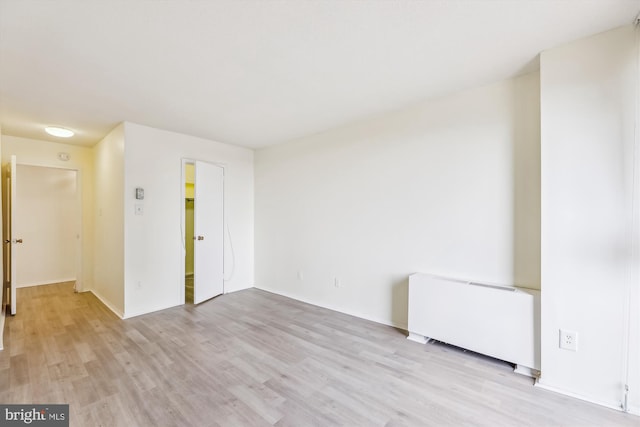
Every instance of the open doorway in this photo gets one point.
(42, 223)
(203, 225)
(47, 221)
(189, 201)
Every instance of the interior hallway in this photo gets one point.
(252, 358)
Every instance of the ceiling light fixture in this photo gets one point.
(58, 131)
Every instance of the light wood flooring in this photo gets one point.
(252, 358)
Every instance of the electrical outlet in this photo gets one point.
(337, 283)
(568, 340)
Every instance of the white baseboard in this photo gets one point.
(129, 315)
(225, 291)
(421, 339)
(339, 310)
(48, 282)
(107, 303)
(526, 371)
(539, 383)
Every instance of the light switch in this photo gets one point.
(139, 209)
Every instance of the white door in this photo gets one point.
(208, 264)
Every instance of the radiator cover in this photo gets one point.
(498, 321)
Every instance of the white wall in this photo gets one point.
(109, 220)
(48, 222)
(449, 187)
(154, 253)
(589, 91)
(43, 153)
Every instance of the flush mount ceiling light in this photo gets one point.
(58, 131)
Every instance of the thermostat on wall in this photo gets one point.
(140, 193)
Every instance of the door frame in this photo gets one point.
(185, 161)
(79, 284)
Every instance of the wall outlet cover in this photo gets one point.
(568, 340)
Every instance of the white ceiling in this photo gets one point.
(260, 72)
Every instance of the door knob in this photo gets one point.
(18, 240)
(200, 237)
(7, 241)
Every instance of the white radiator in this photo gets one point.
(501, 322)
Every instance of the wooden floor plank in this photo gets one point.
(253, 358)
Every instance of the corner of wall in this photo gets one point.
(108, 159)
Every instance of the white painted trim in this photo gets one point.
(339, 310)
(153, 310)
(539, 383)
(107, 304)
(526, 371)
(244, 289)
(49, 282)
(418, 338)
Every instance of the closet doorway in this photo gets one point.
(203, 225)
